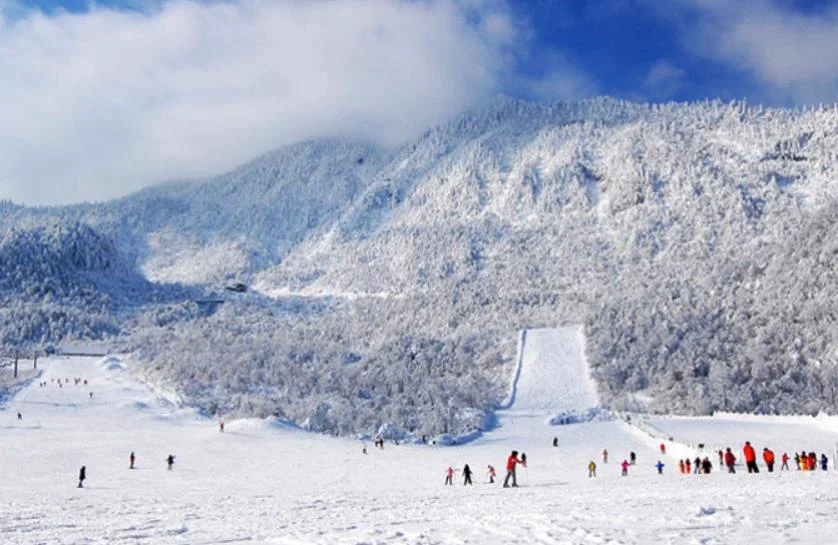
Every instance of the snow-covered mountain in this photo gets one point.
(691, 239)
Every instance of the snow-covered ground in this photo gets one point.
(263, 482)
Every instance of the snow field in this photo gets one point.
(264, 483)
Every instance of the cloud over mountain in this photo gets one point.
(99, 103)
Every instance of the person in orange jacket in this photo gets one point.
(750, 457)
(511, 462)
(768, 458)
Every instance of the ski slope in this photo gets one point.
(553, 374)
(262, 482)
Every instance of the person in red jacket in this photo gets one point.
(768, 458)
(750, 457)
(449, 476)
(511, 462)
(730, 461)
(663, 448)
(785, 459)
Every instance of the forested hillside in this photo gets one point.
(386, 287)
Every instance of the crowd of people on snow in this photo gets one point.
(700, 465)
(77, 381)
(512, 462)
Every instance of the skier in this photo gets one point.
(688, 466)
(363, 447)
(660, 466)
(706, 466)
(82, 476)
(663, 448)
(625, 468)
(797, 460)
(466, 475)
(555, 441)
(170, 461)
(750, 457)
(681, 466)
(824, 462)
(633, 457)
(696, 466)
(221, 426)
(524, 459)
(721, 458)
(492, 474)
(449, 476)
(510, 469)
(131, 459)
(591, 469)
(785, 464)
(605, 456)
(730, 460)
(19, 416)
(813, 461)
(768, 458)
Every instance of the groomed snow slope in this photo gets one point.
(260, 482)
(553, 374)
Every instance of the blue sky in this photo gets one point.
(101, 99)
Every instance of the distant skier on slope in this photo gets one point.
(730, 461)
(688, 466)
(449, 476)
(625, 468)
(82, 476)
(660, 466)
(824, 462)
(605, 456)
(633, 457)
(511, 462)
(768, 458)
(466, 475)
(696, 466)
(492, 473)
(131, 460)
(681, 466)
(663, 448)
(591, 469)
(170, 461)
(750, 457)
(785, 460)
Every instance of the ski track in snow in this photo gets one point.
(262, 483)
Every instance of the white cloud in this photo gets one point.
(98, 104)
(792, 54)
(664, 79)
(557, 78)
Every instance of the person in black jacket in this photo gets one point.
(466, 475)
(170, 460)
(82, 476)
